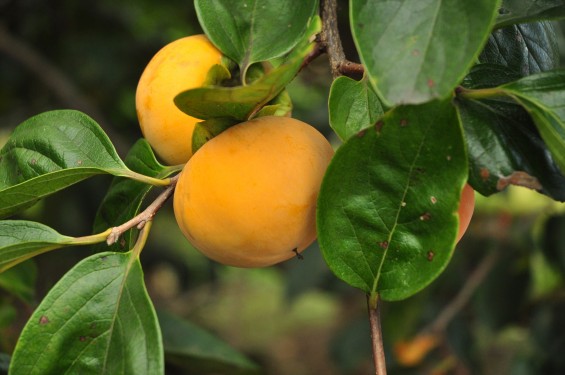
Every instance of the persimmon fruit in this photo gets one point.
(247, 198)
(180, 65)
(465, 210)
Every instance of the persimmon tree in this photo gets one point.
(439, 94)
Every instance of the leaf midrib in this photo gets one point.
(396, 219)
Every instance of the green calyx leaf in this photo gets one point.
(386, 215)
(206, 130)
(243, 102)
(414, 52)
(52, 151)
(353, 106)
(99, 310)
(251, 31)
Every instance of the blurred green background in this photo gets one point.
(499, 308)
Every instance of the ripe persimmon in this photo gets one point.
(247, 197)
(181, 65)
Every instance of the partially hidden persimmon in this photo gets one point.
(181, 65)
(465, 211)
(247, 197)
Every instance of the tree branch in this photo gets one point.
(331, 42)
(374, 308)
(55, 80)
(145, 216)
(463, 297)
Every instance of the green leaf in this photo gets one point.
(192, 348)
(522, 11)
(523, 49)
(21, 240)
(387, 208)
(543, 96)
(206, 130)
(242, 102)
(20, 281)
(124, 197)
(250, 31)
(353, 105)
(50, 152)
(415, 51)
(98, 319)
(503, 141)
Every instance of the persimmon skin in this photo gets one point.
(465, 210)
(180, 65)
(247, 198)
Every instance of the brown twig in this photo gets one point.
(145, 216)
(55, 80)
(379, 361)
(440, 324)
(331, 42)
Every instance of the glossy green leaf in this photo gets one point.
(387, 207)
(242, 102)
(98, 319)
(192, 348)
(20, 281)
(523, 49)
(353, 105)
(250, 31)
(502, 141)
(125, 196)
(522, 11)
(50, 152)
(543, 96)
(416, 51)
(21, 240)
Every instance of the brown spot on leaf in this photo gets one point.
(430, 255)
(33, 161)
(122, 242)
(425, 216)
(485, 174)
(384, 244)
(379, 125)
(43, 320)
(79, 162)
(433, 199)
(519, 178)
(416, 52)
(403, 123)
(431, 83)
(82, 338)
(361, 133)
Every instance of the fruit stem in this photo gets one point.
(148, 180)
(480, 93)
(142, 239)
(92, 239)
(373, 304)
(146, 215)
